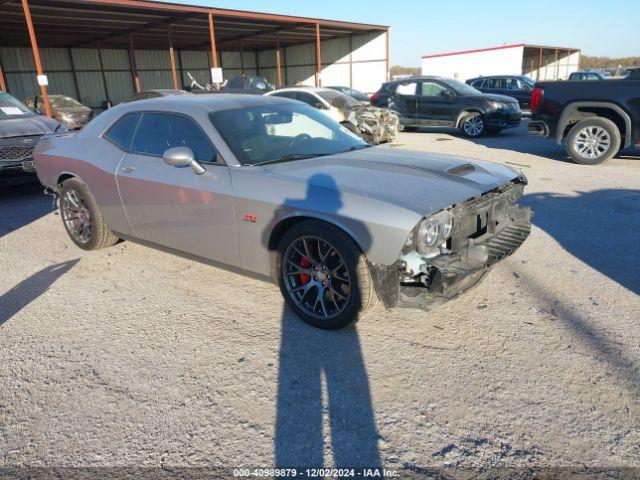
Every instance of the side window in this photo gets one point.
(406, 88)
(159, 132)
(307, 98)
(496, 83)
(513, 84)
(122, 131)
(431, 89)
(478, 83)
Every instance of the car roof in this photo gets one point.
(208, 101)
(498, 76)
(192, 105)
(420, 77)
(163, 90)
(303, 88)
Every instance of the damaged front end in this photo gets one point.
(449, 252)
(376, 125)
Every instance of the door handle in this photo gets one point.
(128, 169)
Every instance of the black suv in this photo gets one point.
(516, 86)
(444, 102)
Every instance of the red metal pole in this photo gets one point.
(539, 65)
(212, 34)
(134, 65)
(3, 82)
(388, 55)
(318, 56)
(278, 63)
(350, 61)
(172, 59)
(36, 56)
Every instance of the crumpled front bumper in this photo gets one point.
(504, 226)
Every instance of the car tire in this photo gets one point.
(81, 217)
(602, 132)
(305, 277)
(473, 125)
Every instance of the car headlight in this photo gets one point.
(496, 105)
(433, 231)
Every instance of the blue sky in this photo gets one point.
(598, 27)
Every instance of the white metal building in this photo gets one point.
(535, 61)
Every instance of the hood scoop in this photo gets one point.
(462, 170)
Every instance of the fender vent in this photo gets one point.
(462, 170)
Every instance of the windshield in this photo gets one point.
(12, 108)
(338, 99)
(60, 101)
(462, 88)
(279, 132)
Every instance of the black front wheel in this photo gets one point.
(473, 125)
(324, 276)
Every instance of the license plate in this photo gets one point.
(28, 166)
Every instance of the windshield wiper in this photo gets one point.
(291, 157)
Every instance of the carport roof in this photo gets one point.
(501, 47)
(109, 23)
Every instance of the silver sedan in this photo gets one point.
(274, 187)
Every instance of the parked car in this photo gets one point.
(356, 94)
(444, 102)
(67, 110)
(20, 130)
(277, 188)
(586, 76)
(157, 93)
(374, 125)
(251, 84)
(634, 74)
(516, 86)
(595, 119)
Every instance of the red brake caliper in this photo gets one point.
(304, 277)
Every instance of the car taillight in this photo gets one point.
(374, 98)
(536, 99)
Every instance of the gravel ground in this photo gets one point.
(130, 356)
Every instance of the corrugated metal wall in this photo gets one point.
(79, 72)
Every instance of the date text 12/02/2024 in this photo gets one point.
(315, 472)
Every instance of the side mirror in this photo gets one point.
(449, 94)
(182, 157)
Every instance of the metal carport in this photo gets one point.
(104, 50)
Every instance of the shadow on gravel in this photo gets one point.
(322, 376)
(308, 358)
(28, 290)
(21, 205)
(601, 228)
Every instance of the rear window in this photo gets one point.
(121, 133)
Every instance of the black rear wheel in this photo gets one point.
(323, 275)
(82, 218)
(593, 141)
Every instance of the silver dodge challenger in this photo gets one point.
(276, 188)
